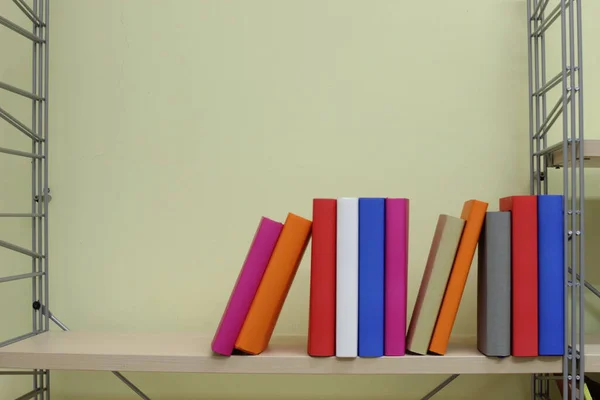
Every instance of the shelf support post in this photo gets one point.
(122, 378)
(439, 387)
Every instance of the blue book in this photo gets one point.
(371, 270)
(551, 282)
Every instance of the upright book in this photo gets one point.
(524, 250)
(551, 280)
(371, 271)
(274, 286)
(493, 285)
(473, 213)
(346, 322)
(396, 275)
(433, 284)
(321, 321)
(246, 285)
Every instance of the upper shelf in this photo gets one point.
(189, 352)
(591, 154)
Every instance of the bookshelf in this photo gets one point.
(190, 353)
(41, 350)
(591, 154)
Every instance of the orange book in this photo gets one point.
(274, 286)
(473, 213)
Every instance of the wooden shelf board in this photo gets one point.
(591, 156)
(190, 353)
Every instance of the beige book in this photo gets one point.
(431, 292)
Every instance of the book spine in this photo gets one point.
(551, 275)
(524, 246)
(494, 285)
(321, 321)
(346, 332)
(246, 286)
(371, 270)
(275, 285)
(474, 213)
(396, 275)
(433, 283)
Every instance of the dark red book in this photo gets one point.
(524, 271)
(321, 322)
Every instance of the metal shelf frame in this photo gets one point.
(37, 131)
(39, 14)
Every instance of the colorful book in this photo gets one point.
(524, 260)
(396, 275)
(371, 271)
(473, 213)
(321, 321)
(551, 279)
(246, 285)
(274, 286)
(346, 327)
(494, 285)
(445, 241)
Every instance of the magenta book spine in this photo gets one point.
(245, 287)
(396, 275)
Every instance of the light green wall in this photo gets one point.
(176, 125)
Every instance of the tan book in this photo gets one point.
(431, 292)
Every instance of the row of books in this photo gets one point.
(358, 281)
(359, 269)
(521, 297)
(359, 278)
(520, 282)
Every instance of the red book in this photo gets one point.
(321, 322)
(524, 273)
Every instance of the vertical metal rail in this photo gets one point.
(532, 177)
(573, 374)
(46, 198)
(35, 281)
(537, 99)
(581, 276)
(544, 143)
(534, 17)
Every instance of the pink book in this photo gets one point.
(246, 285)
(396, 275)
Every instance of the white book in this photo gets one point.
(346, 332)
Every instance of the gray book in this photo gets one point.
(494, 285)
